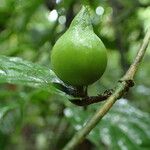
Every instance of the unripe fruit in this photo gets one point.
(79, 57)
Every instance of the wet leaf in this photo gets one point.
(14, 70)
(124, 127)
(10, 117)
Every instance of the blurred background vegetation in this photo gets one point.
(35, 119)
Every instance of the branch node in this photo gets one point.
(129, 82)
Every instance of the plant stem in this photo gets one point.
(120, 89)
(134, 66)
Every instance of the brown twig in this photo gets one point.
(88, 100)
(120, 89)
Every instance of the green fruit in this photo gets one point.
(79, 57)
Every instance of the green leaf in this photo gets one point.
(10, 117)
(17, 71)
(124, 127)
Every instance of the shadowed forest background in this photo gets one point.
(36, 119)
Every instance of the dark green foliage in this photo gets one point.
(34, 114)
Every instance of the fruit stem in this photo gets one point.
(82, 91)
